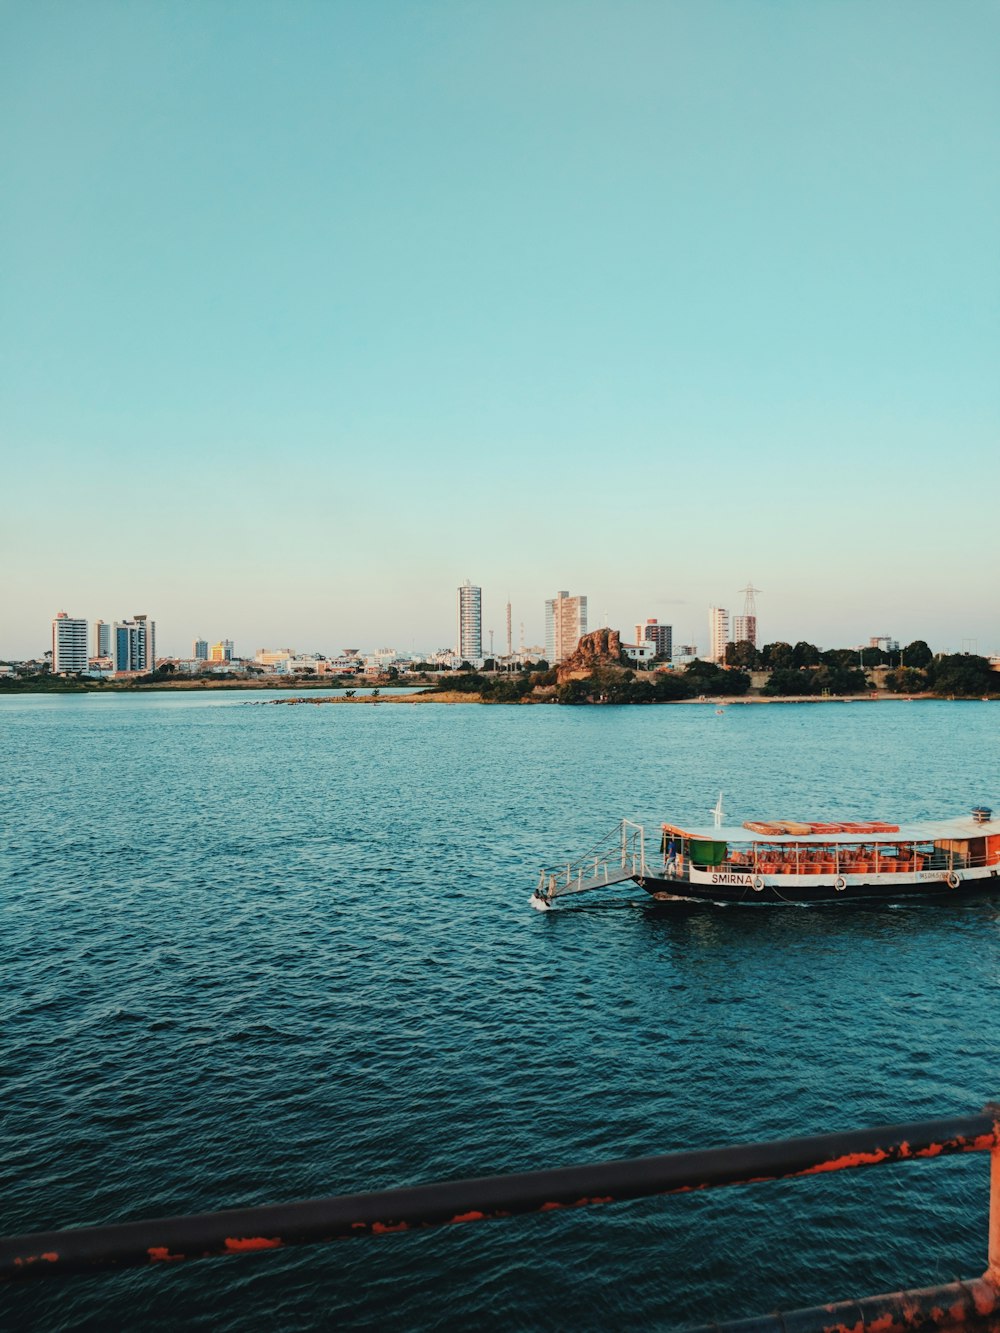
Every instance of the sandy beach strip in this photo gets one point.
(428, 697)
(723, 701)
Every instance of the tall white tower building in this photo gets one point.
(718, 633)
(745, 626)
(69, 644)
(470, 622)
(565, 625)
(745, 629)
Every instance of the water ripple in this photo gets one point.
(264, 954)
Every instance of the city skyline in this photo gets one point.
(723, 626)
(337, 301)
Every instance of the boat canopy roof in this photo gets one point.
(930, 830)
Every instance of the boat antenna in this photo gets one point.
(717, 812)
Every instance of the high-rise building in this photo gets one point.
(718, 633)
(745, 626)
(69, 644)
(660, 635)
(470, 623)
(745, 629)
(199, 650)
(221, 651)
(565, 625)
(102, 639)
(133, 644)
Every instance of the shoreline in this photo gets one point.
(722, 701)
(116, 687)
(312, 693)
(421, 697)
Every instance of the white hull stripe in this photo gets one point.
(739, 879)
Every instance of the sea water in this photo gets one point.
(256, 954)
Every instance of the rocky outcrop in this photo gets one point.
(600, 649)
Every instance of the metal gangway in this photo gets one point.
(619, 856)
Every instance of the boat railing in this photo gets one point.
(165, 1242)
(837, 859)
(619, 856)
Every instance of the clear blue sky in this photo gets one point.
(311, 311)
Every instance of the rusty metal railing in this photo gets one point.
(253, 1230)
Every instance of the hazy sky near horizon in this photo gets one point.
(312, 311)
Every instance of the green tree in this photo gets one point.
(917, 654)
(907, 680)
(508, 689)
(709, 679)
(963, 674)
(547, 676)
(613, 687)
(840, 657)
(789, 680)
(641, 692)
(742, 654)
(573, 692)
(669, 686)
(806, 654)
(778, 655)
(468, 682)
(837, 680)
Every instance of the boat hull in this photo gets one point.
(798, 891)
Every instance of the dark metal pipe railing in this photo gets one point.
(952, 1306)
(248, 1230)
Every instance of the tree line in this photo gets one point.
(800, 669)
(782, 656)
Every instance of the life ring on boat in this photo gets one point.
(954, 879)
(758, 883)
(840, 884)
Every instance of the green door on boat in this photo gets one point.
(708, 853)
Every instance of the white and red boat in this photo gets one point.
(790, 861)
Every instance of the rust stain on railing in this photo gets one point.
(272, 1227)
